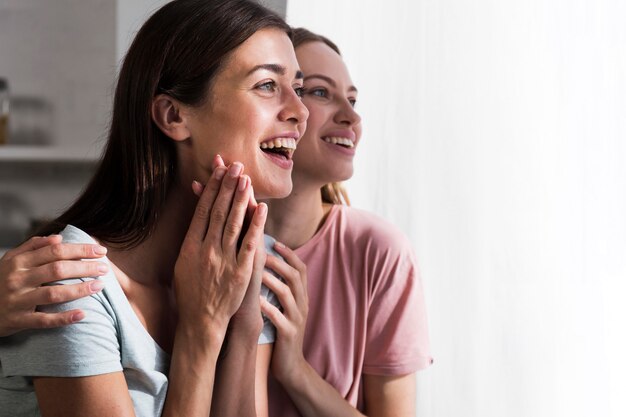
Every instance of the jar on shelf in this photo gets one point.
(4, 111)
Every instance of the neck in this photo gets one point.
(153, 260)
(295, 219)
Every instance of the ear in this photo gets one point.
(167, 114)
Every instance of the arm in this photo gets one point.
(242, 357)
(87, 397)
(390, 396)
(309, 392)
(245, 366)
(41, 260)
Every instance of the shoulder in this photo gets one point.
(72, 234)
(372, 232)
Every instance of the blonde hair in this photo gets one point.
(335, 193)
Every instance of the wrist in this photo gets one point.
(209, 336)
(295, 378)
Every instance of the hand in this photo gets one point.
(247, 320)
(212, 274)
(290, 323)
(41, 260)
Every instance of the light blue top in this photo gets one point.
(109, 339)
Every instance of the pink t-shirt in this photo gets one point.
(366, 306)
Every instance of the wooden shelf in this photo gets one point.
(15, 153)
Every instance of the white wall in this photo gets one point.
(495, 136)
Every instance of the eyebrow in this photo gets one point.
(329, 81)
(276, 69)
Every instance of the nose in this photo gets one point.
(293, 110)
(346, 114)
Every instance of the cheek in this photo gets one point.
(358, 130)
(315, 122)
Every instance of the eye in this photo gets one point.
(318, 92)
(300, 91)
(352, 102)
(269, 86)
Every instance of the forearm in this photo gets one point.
(192, 374)
(235, 368)
(314, 397)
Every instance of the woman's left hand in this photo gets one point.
(287, 357)
(247, 320)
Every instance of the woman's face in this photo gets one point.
(327, 148)
(253, 114)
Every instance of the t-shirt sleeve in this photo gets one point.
(268, 334)
(89, 347)
(397, 335)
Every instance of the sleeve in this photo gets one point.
(268, 334)
(89, 347)
(397, 334)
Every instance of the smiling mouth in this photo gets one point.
(334, 140)
(281, 147)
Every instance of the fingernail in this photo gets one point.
(100, 250)
(219, 159)
(219, 172)
(235, 169)
(77, 317)
(103, 268)
(262, 209)
(279, 244)
(96, 285)
(197, 187)
(243, 182)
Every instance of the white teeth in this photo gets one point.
(287, 143)
(339, 141)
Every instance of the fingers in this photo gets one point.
(197, 186)
(217, 162)
(55, 294)
(222, 205)
(274, 314)
(200, 220)
(258, 264)
(291, 258)
(32, 244)
(282, 291)
(39, 320)
(59, 252)
(295, 277)
(234, 224)
(253, 239)
(60, 270)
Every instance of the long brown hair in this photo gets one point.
(334, 192)
(178, 51)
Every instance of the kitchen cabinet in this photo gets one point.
(60, 60)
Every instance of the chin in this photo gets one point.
(274, 191)
(343, 175)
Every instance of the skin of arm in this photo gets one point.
(312, 395)
(192, 370)
(390, 396)
(238, 363)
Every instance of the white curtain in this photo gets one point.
(495, 137)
